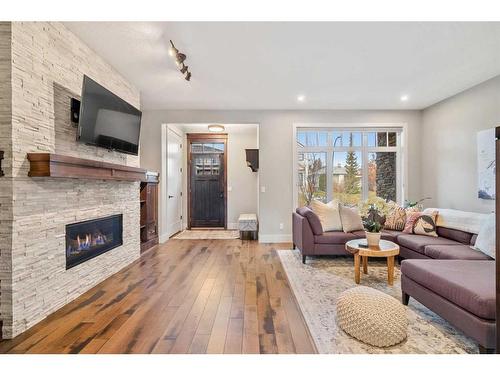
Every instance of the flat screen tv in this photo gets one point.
(108, 121)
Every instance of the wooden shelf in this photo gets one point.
(60, 166)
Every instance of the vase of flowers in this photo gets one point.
(373, 212)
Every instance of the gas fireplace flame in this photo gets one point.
(87, 241)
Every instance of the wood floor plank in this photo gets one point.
(184, 296)
(234, 336)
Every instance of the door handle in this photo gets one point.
(170, 196)
(221, 194)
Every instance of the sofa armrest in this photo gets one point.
(303, 236)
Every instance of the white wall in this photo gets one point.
(276, 157)
(449, 146)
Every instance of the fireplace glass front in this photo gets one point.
(88, 239)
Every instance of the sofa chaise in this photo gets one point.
(443, 273)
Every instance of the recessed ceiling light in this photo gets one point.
(301, 98)
(404, 98)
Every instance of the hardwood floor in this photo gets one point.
(185, 296)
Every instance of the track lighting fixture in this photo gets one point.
(179, 60)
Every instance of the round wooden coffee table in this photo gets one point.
(386, 249)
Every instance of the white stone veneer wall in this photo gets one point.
(6, 181)
(48, 64)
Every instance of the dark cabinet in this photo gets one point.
(149, 214)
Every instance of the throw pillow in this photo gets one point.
(426, 224)
(485, 241)
(411, 218)
(351, 220)
(396, 219)
(328, 214)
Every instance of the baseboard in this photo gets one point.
(275, 238)
(163, 237)
(232, 226)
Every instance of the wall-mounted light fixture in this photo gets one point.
(179, 60)
(216, 128)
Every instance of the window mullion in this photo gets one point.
(364, 174)
(329, 175)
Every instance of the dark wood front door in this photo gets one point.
(207, 181)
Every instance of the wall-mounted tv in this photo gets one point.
(108, 121)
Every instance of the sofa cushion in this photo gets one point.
(335, 238)
(312, 218)
(389, 235)
(417, 242)
(470, 285)
(455, 235)
(457, 251)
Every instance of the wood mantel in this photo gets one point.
(53, 165)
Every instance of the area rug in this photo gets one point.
(207, 234)
(318, 283)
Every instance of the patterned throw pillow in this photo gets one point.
(420, 223)
(396, 219)
(411, 218)
(426, 224)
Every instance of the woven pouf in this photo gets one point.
(371, 316)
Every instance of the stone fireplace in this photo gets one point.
(43, 65)
(87, 239)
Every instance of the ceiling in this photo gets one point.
(335, 65)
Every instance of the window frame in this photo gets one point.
(399, 149)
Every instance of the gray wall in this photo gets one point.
(449, 146)
(276, 144)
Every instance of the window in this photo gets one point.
(348, 165)
(312, 177)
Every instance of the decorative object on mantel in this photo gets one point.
(179, 60)
(1, 158)
(60, 166)
(373, 212)
(486, 164)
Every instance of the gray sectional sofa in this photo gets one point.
(443, 273)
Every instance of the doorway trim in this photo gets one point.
(180, 172)
(197, 137)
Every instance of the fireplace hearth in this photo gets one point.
(87, 239)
